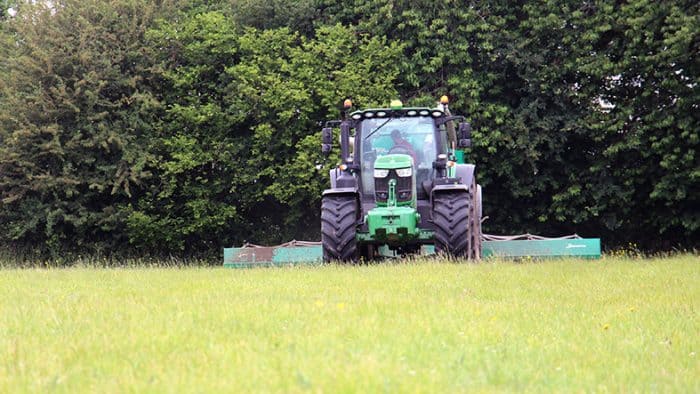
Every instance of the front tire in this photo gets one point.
(451, 214)
(338, 228)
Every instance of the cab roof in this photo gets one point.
(374, 113)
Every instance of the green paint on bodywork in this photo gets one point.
(394, 221)
(392, 224)
(392, 162)
(391, 200)
(423, 235)
(452, 172)
(460, 157)
(581, 247)
(395, 162)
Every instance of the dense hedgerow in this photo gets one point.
(179, 127)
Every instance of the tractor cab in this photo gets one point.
(416, 136)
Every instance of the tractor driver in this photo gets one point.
(402, 146)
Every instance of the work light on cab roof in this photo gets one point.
(396, 104)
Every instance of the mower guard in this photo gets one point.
(518, 246)
(290, 253)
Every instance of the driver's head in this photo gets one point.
(396, 135)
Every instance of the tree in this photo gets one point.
(73, 121)
(238, 155)
(645, 65)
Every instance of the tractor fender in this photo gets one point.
(343, 183)
(463, 171)
(440, 189)
(342, 180)
(466, 172)
(447, 188)
(341, 190)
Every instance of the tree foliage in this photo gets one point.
(159, 127)
(73, 121)
(536, 79)
(240, 141)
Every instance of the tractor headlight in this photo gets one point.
(404, 172)
(380, 173)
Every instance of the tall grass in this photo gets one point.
(617, 324)
(13, 259)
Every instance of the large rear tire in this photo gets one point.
(338, 228)
(451, 214)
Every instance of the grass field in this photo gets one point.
(427, 326)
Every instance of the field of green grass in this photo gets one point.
(427, 326)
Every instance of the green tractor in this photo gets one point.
(402, 185)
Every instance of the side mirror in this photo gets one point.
(465, 135)
(326, 149)
(326, 141)
(465, 131)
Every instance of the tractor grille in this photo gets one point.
(403, 187)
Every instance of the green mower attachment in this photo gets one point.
(524, 246)
(290, 253)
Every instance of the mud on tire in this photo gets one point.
(338, 221)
